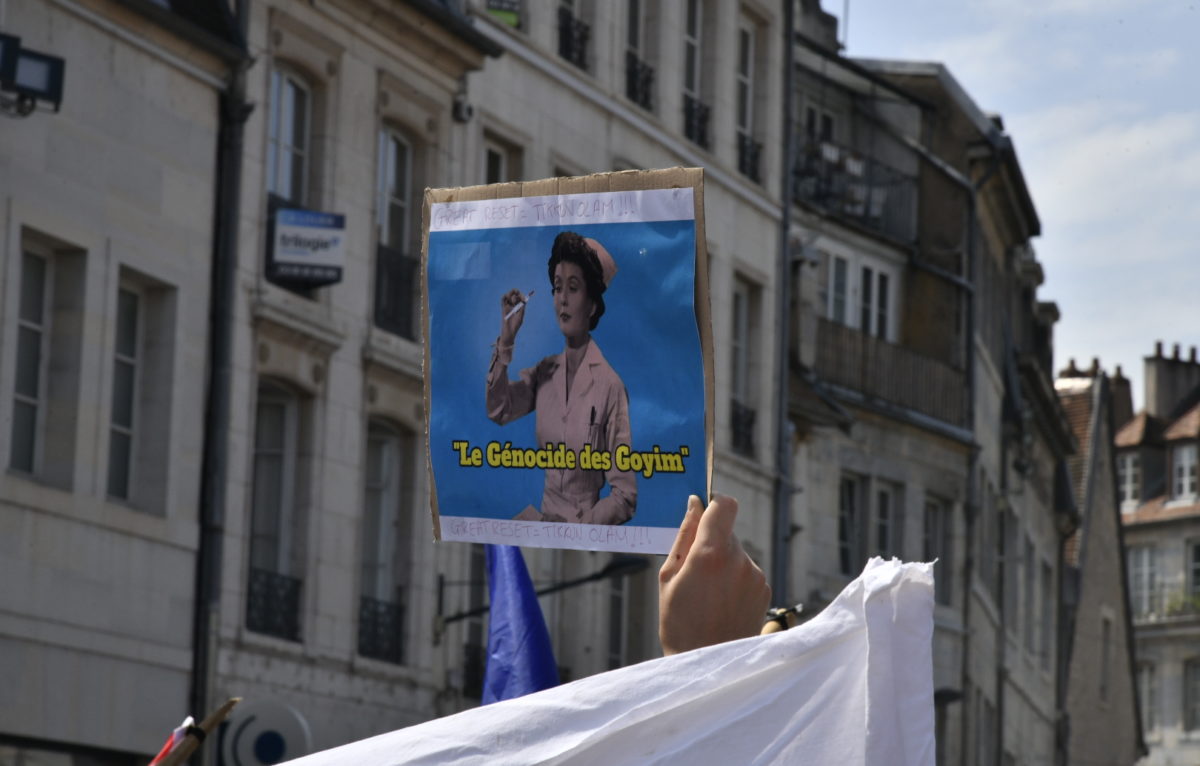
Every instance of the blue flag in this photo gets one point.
(519, 657)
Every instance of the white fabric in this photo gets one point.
(854, 685)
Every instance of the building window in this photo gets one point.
(33, 334)
(397, 265)
(121, 432)
(1194, 572)
(639, 75)
(1129, 477)
(819, 125)
(744, 372)
(1028, 579)
(695, 111)
(386, 541)
(1048, 626)
(618, 623)
(868, 285)
(1147, 681)
(475, 646)
(46, 370)
(1191, 695)
(936, 547)
(289, 136)
(850, 525)
(501, 160)
(1184, 471)
(748, 149)
(275, 582)
(573, 33)
(1143, 580)
(888, 521)
(1105, 657)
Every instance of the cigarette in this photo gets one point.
(520, 305)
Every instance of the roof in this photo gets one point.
(208, 23)
(1157, 510)
(988, 126)
(1187, 426)
(1077, 401)
(1142, 429)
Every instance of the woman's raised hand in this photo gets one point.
(512, 314)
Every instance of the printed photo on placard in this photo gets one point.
(565, 375)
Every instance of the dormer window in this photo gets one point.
(1183, 471)
(1129, 479)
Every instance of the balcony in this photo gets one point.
(273, 604)
(1165, 605)
(857, 189)
(573, 36)
(749, 151)
(695, 120)
(395, 292)
(742, 420)
(639, 81)
(381, 630)
(894, 374)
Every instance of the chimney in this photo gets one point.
(1095, 369)
(1071, 370)
(1192, 355)
(1168, 381)
(1122, 399)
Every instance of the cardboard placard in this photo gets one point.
(568, 359)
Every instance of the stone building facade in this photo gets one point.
(106, 241)
(1157, 465)
(923, 421)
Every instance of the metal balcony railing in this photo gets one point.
(742, 421)
(897, 375)
(273, 604)
(1164, 603)
(695, 120)
(749, 151)
(856, 188)
(639, 81)
(395, 292)
(381, 630)
(573, 36)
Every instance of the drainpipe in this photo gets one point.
(214, 466)
(782, 524)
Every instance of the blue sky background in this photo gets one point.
(1101, 99)
(648, 335)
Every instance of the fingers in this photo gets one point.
(716, 525)
(685, 537)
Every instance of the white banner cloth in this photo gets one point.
(853, 685)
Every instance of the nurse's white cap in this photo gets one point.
(608, 267)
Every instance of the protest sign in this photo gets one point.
(568, 359)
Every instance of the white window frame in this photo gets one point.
(1143, 579)
(852, 521)
(747, 49)
(42, 326)
(693, 48)
(887, 519)
(383, 508)
(394, 191)
(285, 516)
(1147, 680)
(1183, 471)
(508, 156)
(136, 361)
(859, 294)
(277, 149)
(937, 544)
(1129, 478)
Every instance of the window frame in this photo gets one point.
(272, 393)
(693, 49)
(744, 78)
(862, 289)
(937, 546)
(44, 330)
(1129, 478)
(137, 361)
(1143, 579)
(1184, 481)
(744, 359)
(282, 73)
(389, 138)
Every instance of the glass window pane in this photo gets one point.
(882, 318)
(295, 187)
(120, 449)
(24, 436)
(127, 316)
(396, 234)
(693, 17)
(743, 104)
(689, 67)
(265, 516)
(299, 121)
(868, 278)
(122, 399)
(744, 49)
(29, 361)
(33, 288)
(269, 432)
(635, 23)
